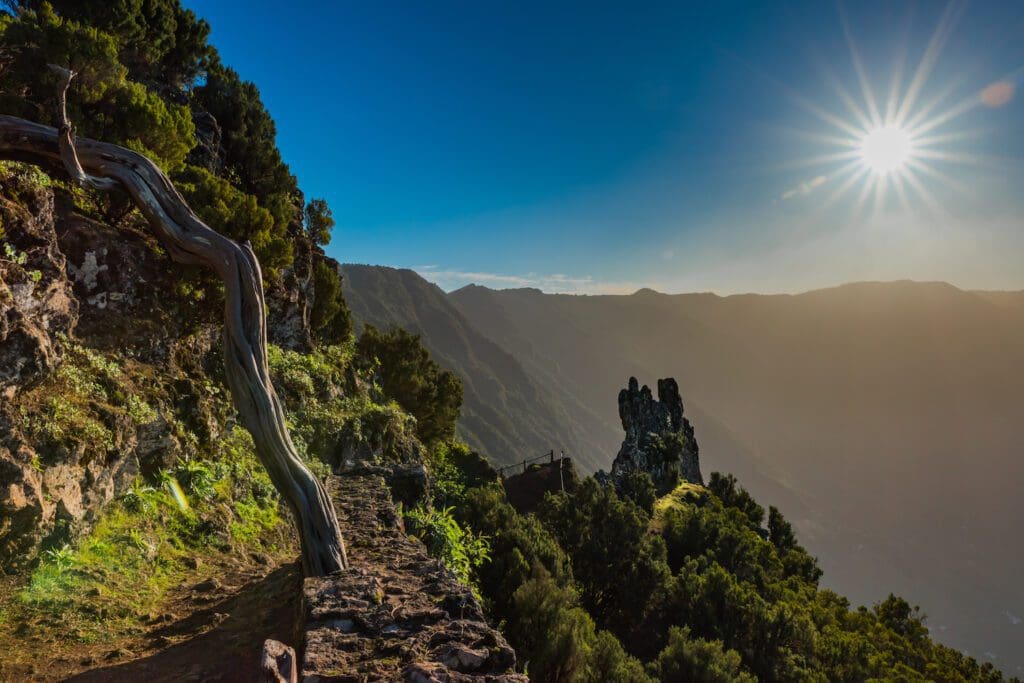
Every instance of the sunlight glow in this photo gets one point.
(876, 148)
(886, 149)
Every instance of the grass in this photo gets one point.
(145, 544)
(677, 499)
(72, 407)
(319, 414)
(216, 504)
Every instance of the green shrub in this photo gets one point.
(410, 376)
(235, 214)
(686, 660)
(459, 549)
(103, 102)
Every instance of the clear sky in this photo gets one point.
(592, 147)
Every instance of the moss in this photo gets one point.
(78, 405)
(254, 520)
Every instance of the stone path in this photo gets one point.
(397, 614)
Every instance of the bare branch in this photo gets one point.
(67, 141)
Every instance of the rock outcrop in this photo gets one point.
(659, 439)
(36, 302)
(396, 614)
(80, 287)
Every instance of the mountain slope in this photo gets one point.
(891, 409)
(880, 417)
(507, 413)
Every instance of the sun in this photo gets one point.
(898, 143)
(886, 149)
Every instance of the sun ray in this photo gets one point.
(828, 117)
(926, 109)
(894, 156)
(922, 192)
(895, 80)
(862, 77)
(855, 110)
(865, 193)
(955, 136)
(896, 77)
(821, 159)
(816, 136)
(931, 55)
(948, 115)
(944, 178)
(901, 193)
(881, 185)
(856, 172)
(967, 158)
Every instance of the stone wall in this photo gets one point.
(396, 614)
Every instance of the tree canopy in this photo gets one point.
(148, 79)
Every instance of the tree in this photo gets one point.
(639, 487)
(733, 495)
(163, 44)
(549, 631)
(330, 318)
(235, 214)
(687, 660)
(319, 221)
(410, 376)
(617, 563)
(780, 532)
(190, 241)
(107, 103)
(519, 544)
(250, 157)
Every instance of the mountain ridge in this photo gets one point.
(905, 389)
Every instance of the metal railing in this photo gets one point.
(549, 456)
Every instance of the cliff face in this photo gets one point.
(109, 359)
(659, 439)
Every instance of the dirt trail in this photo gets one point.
(206, 631)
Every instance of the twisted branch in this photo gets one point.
(188, 240)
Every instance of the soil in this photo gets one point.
(207, 630)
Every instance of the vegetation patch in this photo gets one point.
(149, 541)
(82, 402)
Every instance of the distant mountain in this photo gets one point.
(508, 413)
(883, 418)
(891, 411)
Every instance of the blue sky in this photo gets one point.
(593, 147)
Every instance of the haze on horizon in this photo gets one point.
(591, 148)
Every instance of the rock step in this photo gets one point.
(396, 614)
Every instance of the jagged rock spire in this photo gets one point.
(659, 439)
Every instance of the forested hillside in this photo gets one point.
(508, 412)
(825, 404)
(888, 410)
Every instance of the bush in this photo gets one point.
(686, 660)
(459, 549)
(410, 376)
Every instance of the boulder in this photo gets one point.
(278, 663)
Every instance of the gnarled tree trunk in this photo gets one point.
(188, 240)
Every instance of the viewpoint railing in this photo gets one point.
(549, 456)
